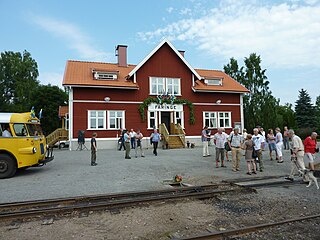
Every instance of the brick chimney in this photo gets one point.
(121, 52)
(181, 52)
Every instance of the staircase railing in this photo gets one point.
(57, 135)
(182, 134)
(164, 131)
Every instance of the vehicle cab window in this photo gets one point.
(20, 129)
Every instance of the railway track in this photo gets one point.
(245, 230)
(65, 206)
(262, 182)
(39, 208)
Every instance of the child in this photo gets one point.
(248, 147)
(93, 149)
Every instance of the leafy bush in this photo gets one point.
(304, 132)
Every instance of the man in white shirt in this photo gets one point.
(219, 139)
(258, 141)
(297, 153)
(6, 132)
(133, 138)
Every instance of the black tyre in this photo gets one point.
(8, 166)
(62, 145)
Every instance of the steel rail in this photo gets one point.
(114, 202)
(245, 230)
(43, 202)
(248, 179)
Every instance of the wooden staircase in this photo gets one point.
(60, 134)
(177, 137)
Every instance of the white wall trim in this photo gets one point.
(97, 101)
(70, 116)
(98, 86)
(216, 104)
(217, 91)
(241, 112)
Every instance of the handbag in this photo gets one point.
(227, 147)
(254, 154)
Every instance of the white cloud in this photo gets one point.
(52, 78)
(286, 34)
(73, 36)
(170, 9)
(185, 11)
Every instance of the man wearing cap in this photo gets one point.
(235, 141)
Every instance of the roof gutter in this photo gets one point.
(196, 90)
(90, 86)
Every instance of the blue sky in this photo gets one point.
(286, 34)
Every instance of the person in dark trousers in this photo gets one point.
(93, 149)
(155, 136)
(121, 140)
(127, 140)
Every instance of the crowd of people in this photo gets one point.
(251, 147)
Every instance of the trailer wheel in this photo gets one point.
(8, 166)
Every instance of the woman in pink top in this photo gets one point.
(310, 148)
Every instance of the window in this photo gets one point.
(216, 82)
(210, 119)
(225, 119)
(179, 119)
(20, 129)
(217, 119)
(164, 85)
(105, 75)
(116, 119)
(152, 119)
(173, 86)
(97, 119)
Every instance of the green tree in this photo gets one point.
(317, 107)
(285, 116)
(18, 79)
(259, 104)
(49, 98)
(305, 112)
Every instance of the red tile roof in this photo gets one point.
(79, 73)
(228, 83)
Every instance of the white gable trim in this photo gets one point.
(133, 71)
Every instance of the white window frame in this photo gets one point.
(181, 113)
(123, 122)
(204, 119)
(158, 91)
(105, 76)
(224, 120)
(165, 85)
(89, 119)
(213, 81)
(175, 82)
(155, 118)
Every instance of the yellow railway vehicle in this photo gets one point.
(22, 143)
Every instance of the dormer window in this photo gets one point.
(213, 81)
(97, 75)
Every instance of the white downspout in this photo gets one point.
(241, 113)
(70, 117)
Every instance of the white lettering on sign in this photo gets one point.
(165, 107)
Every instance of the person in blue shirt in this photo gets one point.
(155, 136)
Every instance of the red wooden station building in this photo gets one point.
(163, 91)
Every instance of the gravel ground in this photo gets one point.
(187, 218)
(70, 175)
